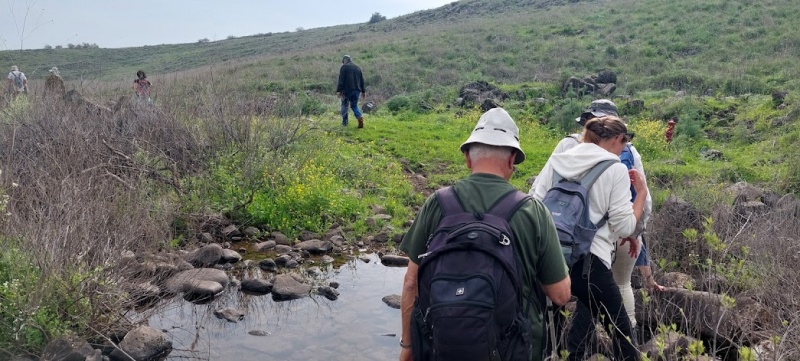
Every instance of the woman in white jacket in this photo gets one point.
(603, 139)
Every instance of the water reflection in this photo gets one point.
(354, 327)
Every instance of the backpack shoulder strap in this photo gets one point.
(448, 200)
(588, 180)
(508, 204)
(556, 178)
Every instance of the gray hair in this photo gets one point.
(479, 151)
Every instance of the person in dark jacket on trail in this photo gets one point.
(350, 86)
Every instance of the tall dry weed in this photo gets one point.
(90, 185)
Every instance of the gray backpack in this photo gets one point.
(18, 82)
(568, 203)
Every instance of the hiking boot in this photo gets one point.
(344, 123)
(361, 122)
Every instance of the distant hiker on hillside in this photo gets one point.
(670, 130)
(350, 86)
(17, 82)
(491, 152)
(54, 85)
(609, 201)
(142, 86)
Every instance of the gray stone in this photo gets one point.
(206, 237)
(280, 249)
(281, 238)
(288, 288)
(283, 260)
(268, 265)
(229, 314)
(314, 271)
(394, 260)
(205, 256)
(256, 286)
(230, 256)
(308, 235)
(329, 292)
(187, 280)
(326, 259)
(231, 231)
(143, 343)
(251, 231)
(392, 301)
(265, 246)
(202, 291)
(67, 348)
(315, 246)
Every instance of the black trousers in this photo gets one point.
(599, 300)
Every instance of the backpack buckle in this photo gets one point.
(505, 240)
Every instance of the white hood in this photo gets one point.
(576, 161)
(610, 194)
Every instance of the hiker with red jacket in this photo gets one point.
(349, 87)
(142, 86)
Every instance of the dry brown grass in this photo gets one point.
(84, 187)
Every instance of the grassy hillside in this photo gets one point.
(247, 130)
(731, 47)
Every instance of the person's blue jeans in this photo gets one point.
(350, 100)
(598, 300)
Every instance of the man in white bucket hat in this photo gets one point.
(490, 152)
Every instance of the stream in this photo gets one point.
(356, 326)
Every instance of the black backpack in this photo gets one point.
(568, 203)
(470, 302)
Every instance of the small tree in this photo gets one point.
(48, 47)
(376, 18)
(203, 40)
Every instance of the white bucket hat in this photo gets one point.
(54, 70)
(495, 127)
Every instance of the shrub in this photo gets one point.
(398, 103)
(563, 119)
(376, 18)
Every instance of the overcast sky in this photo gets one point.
(116, 23)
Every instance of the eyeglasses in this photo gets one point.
(629, 136)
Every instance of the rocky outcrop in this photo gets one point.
(602, 84)
(480, 93)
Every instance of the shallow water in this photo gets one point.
(354, 327)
